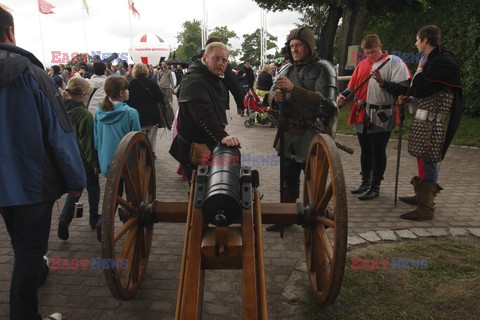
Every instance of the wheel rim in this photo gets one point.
(325, 248)
(131, 240)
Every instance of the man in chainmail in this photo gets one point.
(435, 95)
(304, 93)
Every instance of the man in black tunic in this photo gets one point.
(202, 101)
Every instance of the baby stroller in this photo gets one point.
(258, 112)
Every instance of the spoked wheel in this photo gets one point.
(325, 230)
(126, 230)
(247, 123)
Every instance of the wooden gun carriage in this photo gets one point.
(223, 224)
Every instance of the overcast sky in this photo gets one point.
(108, 27)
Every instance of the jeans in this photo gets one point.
(373, 157)
(93, 189)
(29, 228)
(427, 171)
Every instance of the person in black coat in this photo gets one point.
(246, 76)
(145, 95)
(230, 80)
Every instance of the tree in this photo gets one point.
(224, 34)
(190, 39)
(323, 20)
(251, 46)
(354, 13)
(460, 35)
(322, 16)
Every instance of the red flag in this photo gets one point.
(131, 6)
(4, 7)
(45, 7)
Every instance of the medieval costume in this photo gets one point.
(374, 115)
(201, 115)
(309, 106)
(436, 90)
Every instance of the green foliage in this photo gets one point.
(251, 46)
(460, 34)
(224, 34)
(468, 133)
(448, 289)
(190, 39)
(294, 5)
(78, 59)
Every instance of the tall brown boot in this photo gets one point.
(426, 193)
(290, 195)
(412, 199)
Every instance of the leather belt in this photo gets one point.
(377, 107)
(362, 104)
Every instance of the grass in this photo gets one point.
(468, 134)
(448, 289)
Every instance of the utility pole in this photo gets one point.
(263, 37)
(204, 26)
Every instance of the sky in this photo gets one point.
(110, 26)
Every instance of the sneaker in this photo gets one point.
(55, 316)
(63, 231)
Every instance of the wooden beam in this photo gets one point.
(192, 295)
(250, 294)
(170, 211)
(261, 280)
(279, 213)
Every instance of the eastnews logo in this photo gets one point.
(65, 57)
(406, 57)
(93, 263)
(398, 263)
(247, 160)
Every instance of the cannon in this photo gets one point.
(223, 224)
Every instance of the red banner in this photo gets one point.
(45, 7)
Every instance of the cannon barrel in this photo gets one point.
(222, 200)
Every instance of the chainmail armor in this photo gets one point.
(427, 137)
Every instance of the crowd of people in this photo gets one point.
(54, 144)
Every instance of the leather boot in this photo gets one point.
(364, 185)
(290, 196)
(412, 200)
(426, 193)
(372, 192)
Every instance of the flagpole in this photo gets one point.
(41, 37)
(84, 28)
(130, 26)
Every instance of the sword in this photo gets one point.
(401, 112)
(366, 80)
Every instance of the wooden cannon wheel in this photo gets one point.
(326, 226)
(126, 233)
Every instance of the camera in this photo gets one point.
(78, 212)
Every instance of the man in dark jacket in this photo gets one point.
(246, 77)
(39, 160)
(202, 99)
(229, 80)
(58, 78)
